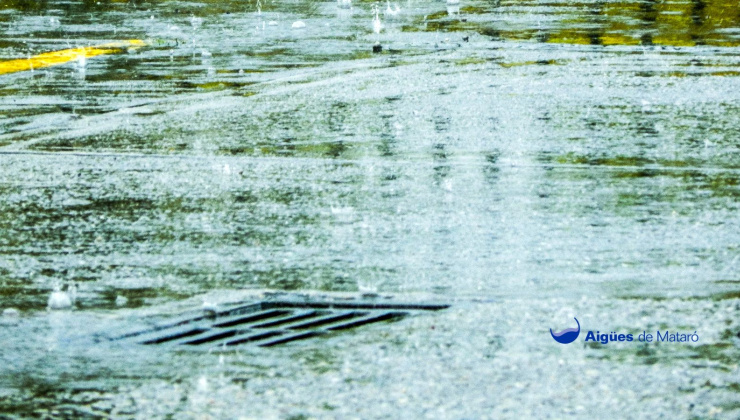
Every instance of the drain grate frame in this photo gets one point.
(270, 323)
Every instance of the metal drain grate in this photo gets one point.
(270, 323)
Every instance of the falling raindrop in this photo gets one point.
(81, 61)
(196, 22)
(203, 384)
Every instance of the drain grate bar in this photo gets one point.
(241, 319)
(292, 337)
(271, 323)
(357, 305)
(176, 335)
(253, 338)
(368, 319)
(239, 309)
(218, 335)
(330, 319)
(299, 316)
(160, 327)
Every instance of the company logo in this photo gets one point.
(568, 335)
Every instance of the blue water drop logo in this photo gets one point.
(568, 335)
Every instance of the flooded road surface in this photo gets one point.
(527, 162)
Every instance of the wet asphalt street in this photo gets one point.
(525, 162)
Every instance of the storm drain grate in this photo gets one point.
(270, 323)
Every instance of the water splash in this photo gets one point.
(60, 299)
(377, 25)
(391, 12)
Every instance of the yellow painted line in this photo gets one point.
(55, 58)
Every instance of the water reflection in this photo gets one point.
(491, 168)
(441, 167)
(685, 23)
(26, 5)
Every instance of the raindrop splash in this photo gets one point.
(377, 25)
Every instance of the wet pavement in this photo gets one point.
(526, 162)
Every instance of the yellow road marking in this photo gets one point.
(55, 58)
